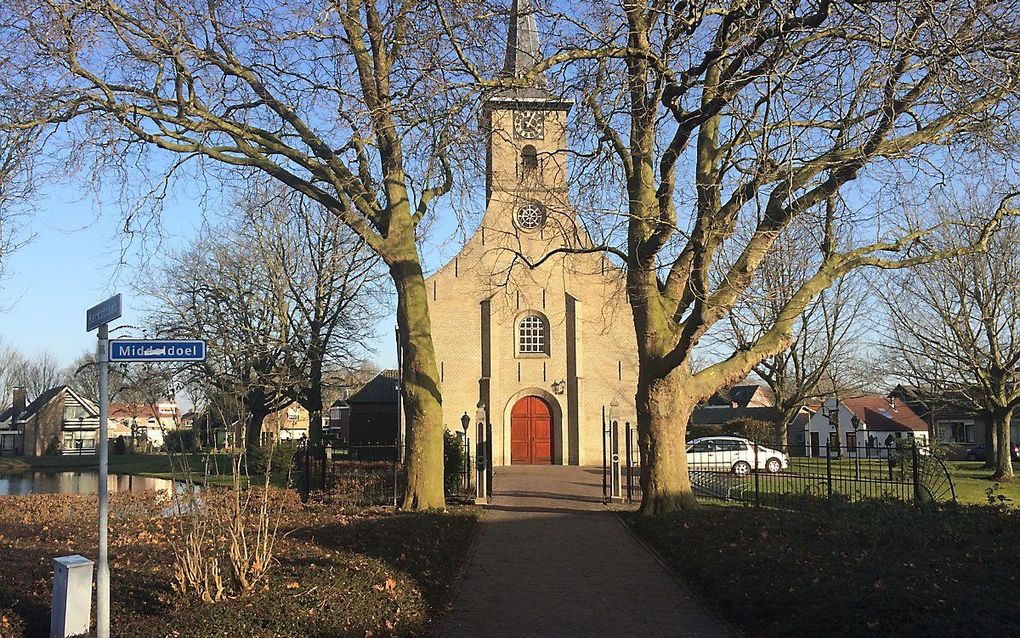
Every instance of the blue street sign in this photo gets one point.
(104, 312)
(157, 350)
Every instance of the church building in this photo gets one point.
(538, 334)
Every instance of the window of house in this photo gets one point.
(7, 442)
(531, 335)
(959, 432)
(851, 440)
(75, 412)
(293, 414)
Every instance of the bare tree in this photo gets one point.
(218, 290)
(331, 282)
(826, 353)
(17, 184)
(955, 334)
(348, 103)
(36, 374)
(83, 377)
(710, 117)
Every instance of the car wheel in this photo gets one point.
(773, 465)
(971, 457)
(741, 468)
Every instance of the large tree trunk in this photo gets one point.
(1003, 457)
(784, 416)
(253, 433)
(420, 390)
(664, 407)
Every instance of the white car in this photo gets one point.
(733, 454)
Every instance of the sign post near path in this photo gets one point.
(99, 316)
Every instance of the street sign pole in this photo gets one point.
(100, 316)
(103, 573)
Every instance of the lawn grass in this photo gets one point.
(338, 572)
(869, 478)
(865, 569)
(972, 481)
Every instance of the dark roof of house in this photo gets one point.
(946, 403)
(879, 415)
(42, 400)
(739, 394)
(720, 416)
(381, 389)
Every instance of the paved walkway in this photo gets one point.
(552, 561)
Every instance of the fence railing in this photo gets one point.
(731, 469)
(368, 475)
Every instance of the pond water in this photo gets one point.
(36, 482)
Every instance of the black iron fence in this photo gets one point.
(734, 469)
(369, 475)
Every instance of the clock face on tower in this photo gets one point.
(529, 125)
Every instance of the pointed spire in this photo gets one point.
(523, 50)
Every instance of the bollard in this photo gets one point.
(72, 596)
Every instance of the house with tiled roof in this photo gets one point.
(58, 421)
(144, 424)
(869, 425)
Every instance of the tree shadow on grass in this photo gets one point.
(429, 547)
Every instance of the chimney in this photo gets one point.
(19, 403)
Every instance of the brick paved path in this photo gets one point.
(552, 561)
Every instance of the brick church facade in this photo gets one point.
(543, 340)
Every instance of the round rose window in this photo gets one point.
(530, 217)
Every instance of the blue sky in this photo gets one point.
(71, 264)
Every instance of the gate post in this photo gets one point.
(828, 471)
(488, 460)
(605, 466)
(615, 451)
(467, 463)
(917, 478)
(481, 472)
(630, 465)
(757, 489)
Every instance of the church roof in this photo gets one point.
(523, 52)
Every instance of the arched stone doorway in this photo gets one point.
(531, 436)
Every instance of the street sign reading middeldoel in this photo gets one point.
(104, 312)
(157, 350)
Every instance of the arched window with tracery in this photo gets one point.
(532, 335)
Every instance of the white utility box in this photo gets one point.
(72, 596)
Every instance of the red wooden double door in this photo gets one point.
(531, 432)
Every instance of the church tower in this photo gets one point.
(543, 341)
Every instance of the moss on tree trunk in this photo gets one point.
(1002, 457)
(423, 409)
(663, 412)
